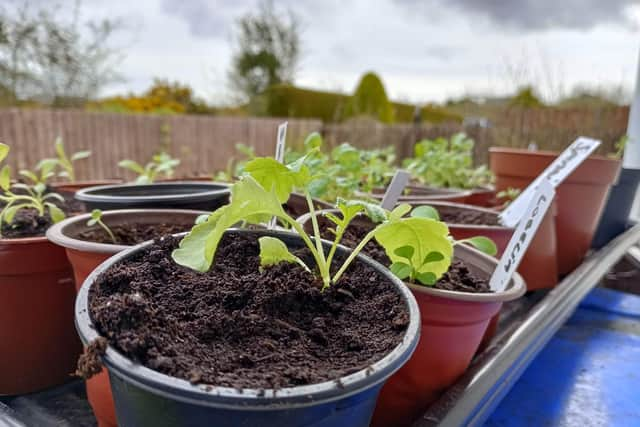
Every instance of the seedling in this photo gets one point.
(508, 195)
(32, 196)
(63, 161)
(96, 218)
(259, 195)
(161, 163)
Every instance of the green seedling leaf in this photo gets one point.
(424, 235)
(59, 146)
(483, 244)
(433, 257)
(80, 155)
(46, 167)
(5, 178)
(271, 174)
(274, 251)
(405, 252)
(427, 278)
(249, 202)
(29, 175)
(202, 218)
(313, 140)
(132, 166)
(56, 213)
(426, 212)
(399, 211)
(372, 210)
(10, 212)
(4, 151)
(401, 270)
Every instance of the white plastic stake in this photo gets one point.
(539, 204)
(395, 189)
(555, 173)
(631, 157)
(281, 138)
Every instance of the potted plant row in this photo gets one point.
(256, 326)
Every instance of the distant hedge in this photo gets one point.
(291, 101)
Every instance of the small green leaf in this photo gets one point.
(426, 212)
(274, 251)
(4, 151)
(433, 257)
(10, 212)
(46, 166)
(313, 140)
(59, 146)
(483, 244)
(399, 211)
(29, 175)
(372, 210)
(56, 213)
(5, 177)
(132, 166)
(202, 218)
(271, 174)
(96, 214)
(80, 155)
(92, 222)
(401, 270)
(405, 252)
(427, 278)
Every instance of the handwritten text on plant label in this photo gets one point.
(524, 233)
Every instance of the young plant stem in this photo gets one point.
(353, 255)
(108, 231)
(316, 229)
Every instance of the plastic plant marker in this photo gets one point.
(540, 202)
(555, 173)
(280, 145)
(631, 157)
(395, 189)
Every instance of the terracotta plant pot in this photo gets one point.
(580, 198)
(453, 324)
(417, 193)
(38, 343)
(72, 187)
(483, 197)
(86, 256)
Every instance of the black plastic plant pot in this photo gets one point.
(163, 195)
(144, 397)
(615, 218)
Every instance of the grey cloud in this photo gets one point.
(538, 14)
(205, 18)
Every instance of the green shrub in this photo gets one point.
(370, 99)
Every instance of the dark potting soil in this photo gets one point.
(132, 234)
(458, 278)
(468, 216)
(27, 222)
(240, 327)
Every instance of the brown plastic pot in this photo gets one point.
(580, 198)
(72, 187)
(452, 325)
(86, 256)
(483, 197)
(417, 193)
(38, 343)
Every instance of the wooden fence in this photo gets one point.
(205, 144)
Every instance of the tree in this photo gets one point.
(370, 99)
(53, 59)
(267, 51)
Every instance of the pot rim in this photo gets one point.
(87, 194)
(23, 240)
(251, 398)
(516, 289)
(546, 153)
(56, 233)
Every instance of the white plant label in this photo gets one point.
(395, 189)
(280, 145)
(280, 142)
(555, 173)
(540, 202)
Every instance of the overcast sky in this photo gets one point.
(425, 50)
